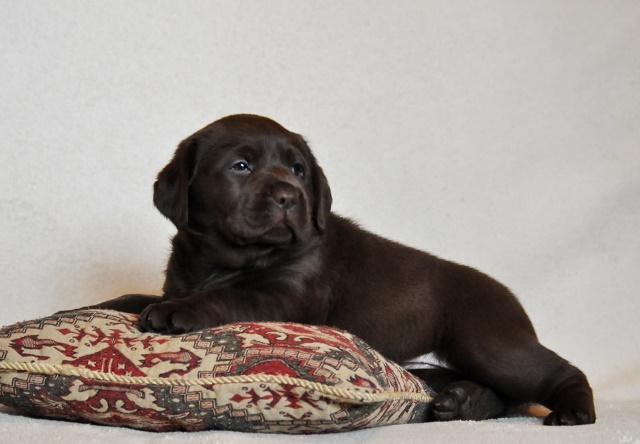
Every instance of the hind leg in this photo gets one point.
(459, 399)
(560, 386)
(523, 370)
(467, 400)
(568, 395)
(489, 338)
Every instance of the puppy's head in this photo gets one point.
(248, 179)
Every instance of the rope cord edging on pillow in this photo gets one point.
(338, 393)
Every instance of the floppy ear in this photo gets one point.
(171, 190)
(323, 199)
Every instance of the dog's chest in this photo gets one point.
(212, 278)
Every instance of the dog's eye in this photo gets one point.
(298, 170)
(241, 167)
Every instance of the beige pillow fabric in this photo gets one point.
(96, 366)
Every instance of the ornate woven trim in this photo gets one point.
(334, 392)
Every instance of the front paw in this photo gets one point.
(175, 317)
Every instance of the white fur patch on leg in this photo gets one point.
(430, 360)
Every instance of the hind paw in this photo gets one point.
(466, 400)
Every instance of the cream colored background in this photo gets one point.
(504, 135)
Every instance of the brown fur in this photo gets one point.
(257, 241)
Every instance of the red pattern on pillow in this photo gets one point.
(96, 366)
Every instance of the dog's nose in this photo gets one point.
(285, 197)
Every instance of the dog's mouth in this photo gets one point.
(274, 237)
(278, 236)
(279, 231)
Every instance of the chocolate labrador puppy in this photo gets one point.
(257, 241)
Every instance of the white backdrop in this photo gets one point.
(504, 135)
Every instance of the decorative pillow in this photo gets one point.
(96, 366)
